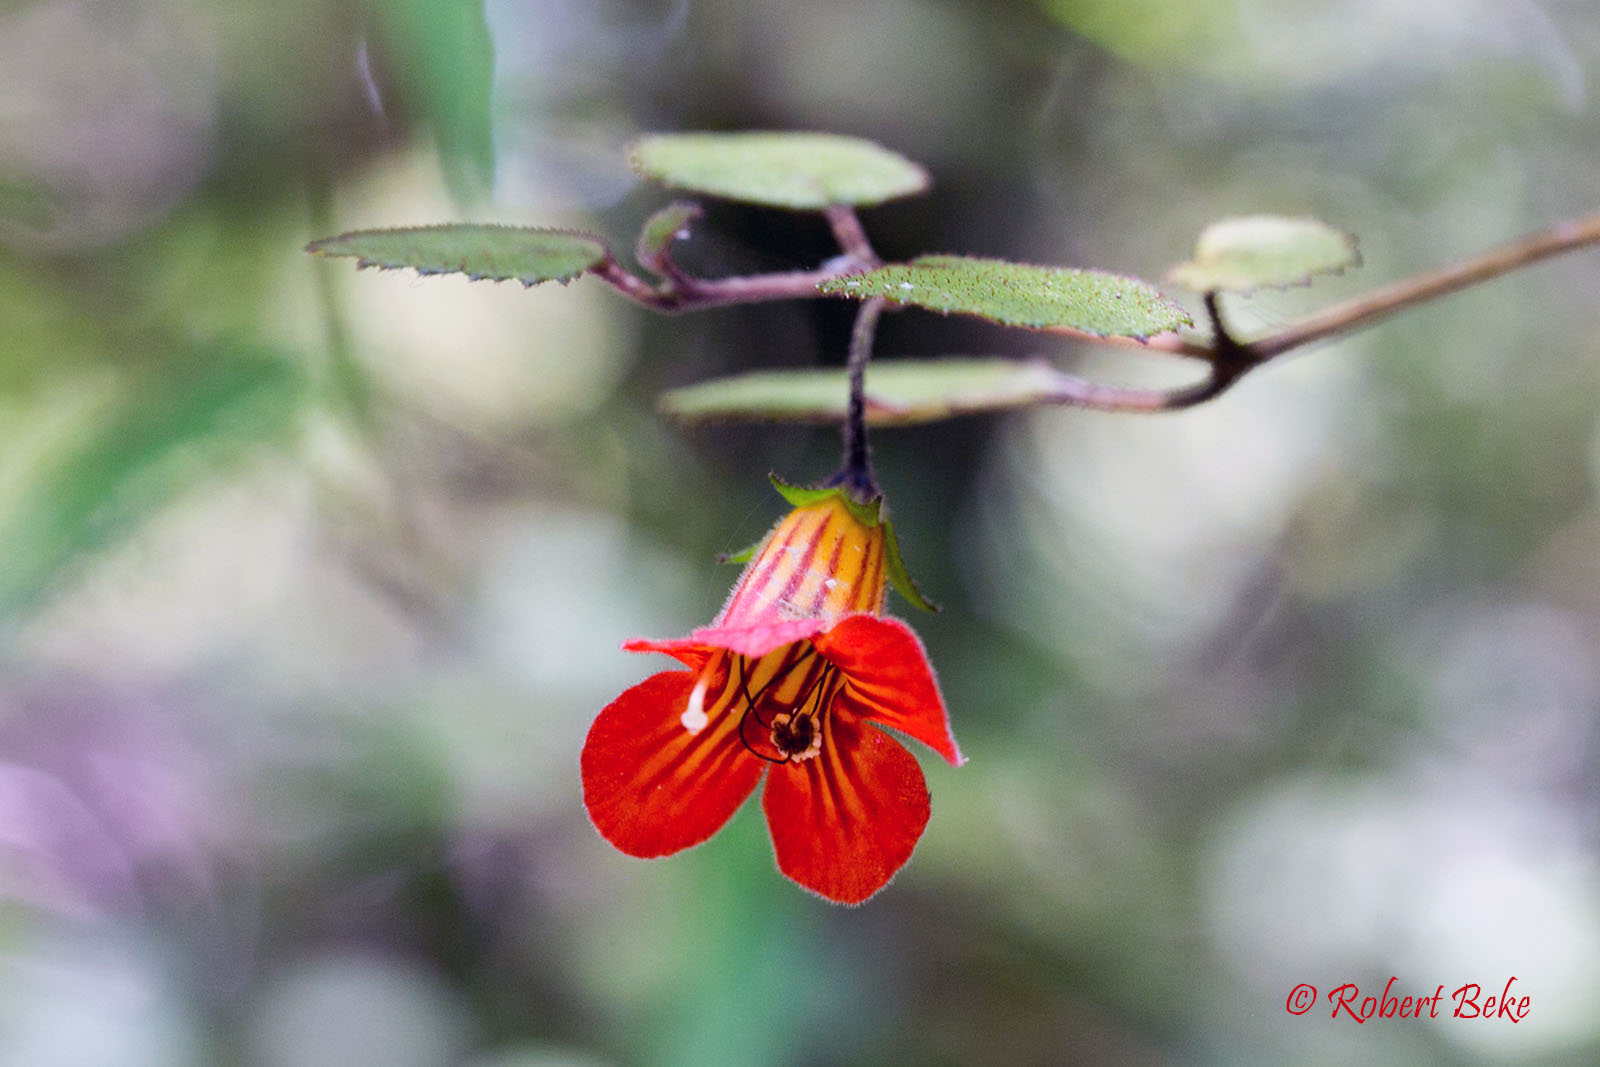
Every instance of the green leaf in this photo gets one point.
(745, 554)
(1018, 294)
(1250, 252)
(669, 224)
(802, 171)
(898, 393)
(496, 253)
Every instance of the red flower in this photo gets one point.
(787, 682)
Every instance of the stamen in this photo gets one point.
(694, 716)
(819, 687)
(794, 732)
(785, 667)
(748, 747)
(744, 691)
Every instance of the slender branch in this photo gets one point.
(1430, 285)
(856, 474)
(1078, 392)
(1224, 348)
(846, 226)
(628, 284)
(1229, 358)
(678, 292)
(1232, 359)
(686, 293)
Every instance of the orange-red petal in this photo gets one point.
(691, 653)
(888, 680)
(651, 787)
(845, 821)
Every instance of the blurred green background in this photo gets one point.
(311, 580)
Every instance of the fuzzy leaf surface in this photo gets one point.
(799, 171)
(1020, 294)
(1264, 251)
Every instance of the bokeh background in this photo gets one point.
(311, 580)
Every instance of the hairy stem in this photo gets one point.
(846, 226)
(856, 474)
(685, 293)
(678, 292)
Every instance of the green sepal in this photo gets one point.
(745, 554)
(869, 513)
(800, 497)
(899, 577)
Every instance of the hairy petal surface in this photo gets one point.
(651, 787)
(844, 822)
(888, 679)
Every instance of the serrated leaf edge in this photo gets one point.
(319, 248)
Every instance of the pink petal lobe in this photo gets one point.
(754, 641)
(757, 639)
(845, 821)
(650, 786)
(888, 680)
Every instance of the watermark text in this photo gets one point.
(1469, 1001)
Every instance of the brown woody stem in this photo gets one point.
(1430, 285)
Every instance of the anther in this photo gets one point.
(796, 736)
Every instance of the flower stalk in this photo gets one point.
(856, 476)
